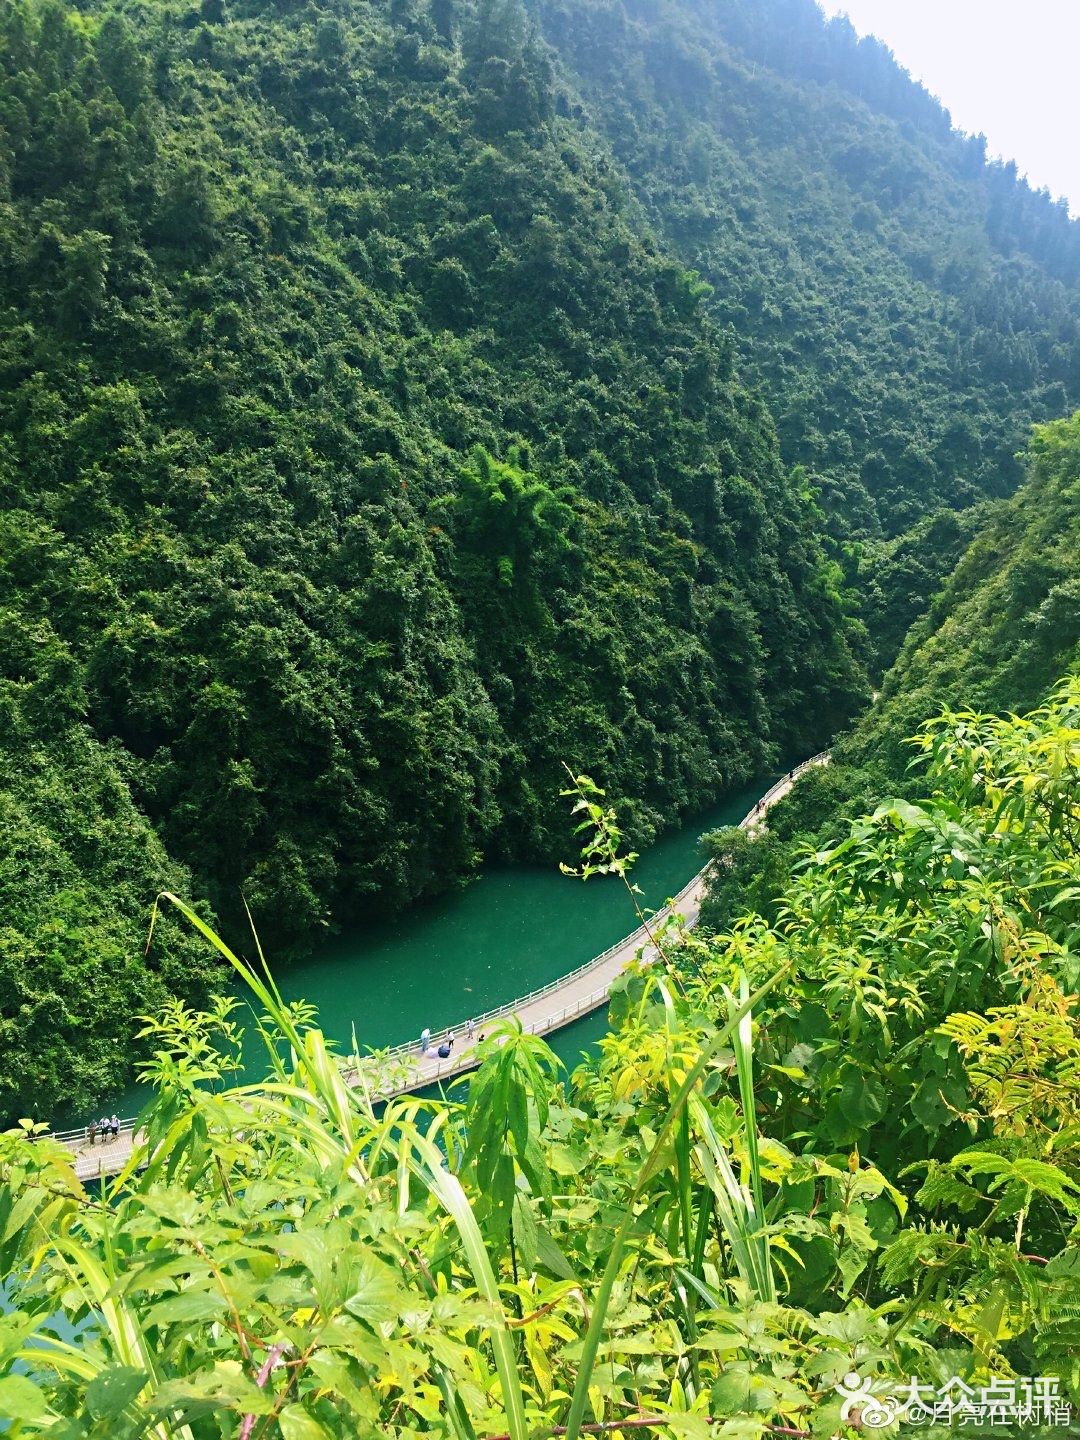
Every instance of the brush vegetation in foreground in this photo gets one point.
(1003, 626)
(845, 1140)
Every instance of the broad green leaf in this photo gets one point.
(296, 1424)
(862, 1099)
(378, 1294)
(739, 1390)
(21, 1399)
(113, 1390)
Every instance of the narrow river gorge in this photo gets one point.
(511, 931)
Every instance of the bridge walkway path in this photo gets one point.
(542, 1011)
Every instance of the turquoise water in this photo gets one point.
(512, 930)
(508, 933)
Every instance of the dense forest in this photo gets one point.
(912, 306)
(364, 456)
(1004, 623)
(389, 397)
(846, 1144)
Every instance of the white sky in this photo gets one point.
(1010, 68)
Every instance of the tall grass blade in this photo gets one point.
(735, 1207)
(327, 1086)
(593, 1334)
(448, 1190)
(744, 1067)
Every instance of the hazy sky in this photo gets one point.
(1010, 68)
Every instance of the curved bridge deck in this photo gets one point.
(542, 1011)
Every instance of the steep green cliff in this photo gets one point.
(387, 419)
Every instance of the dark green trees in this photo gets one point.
(912, 307)
(512, 526)
(366, 457)
(373, 439)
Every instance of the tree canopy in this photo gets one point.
(845, 1141)
(388, 419)
(363, 457)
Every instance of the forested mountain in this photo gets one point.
(913, 307)
(387, 418)
(1004, 624)
(364, 456)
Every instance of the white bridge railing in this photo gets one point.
(81, 1136)
(636, 938)
(498, 1012)
(552, 1020)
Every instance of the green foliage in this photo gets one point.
(689, 1230)
(514, 523)
(78, 863)
(1003, 626)
(603, 838)
(364, 455)
(978, 875)
(508, 1108)
(899, 578)
(1023, 1061)
(911, 305)
(1007, 620)
(748, 872)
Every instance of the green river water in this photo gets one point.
(512, 930)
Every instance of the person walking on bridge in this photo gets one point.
(425, 1040)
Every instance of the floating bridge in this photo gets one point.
(541, 1011)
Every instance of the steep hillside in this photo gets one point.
(1002, 628)
(1006, 622)
(363, 456)
(912, 307)
(79, 866)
